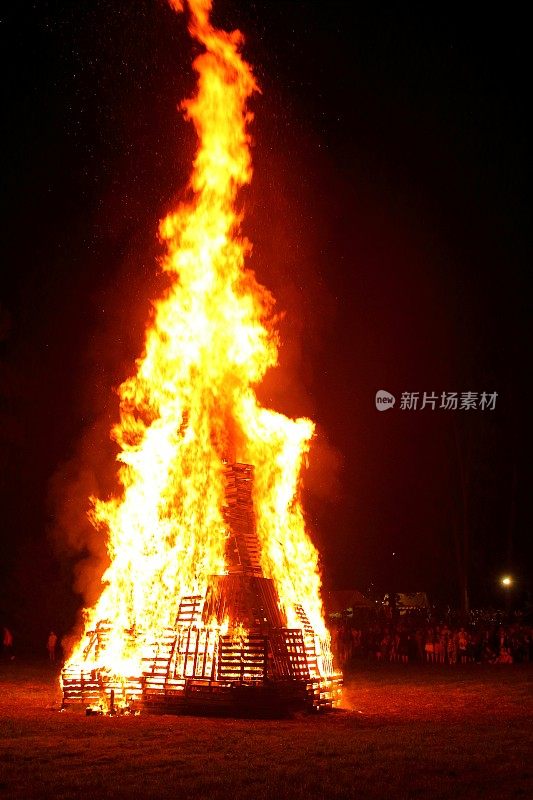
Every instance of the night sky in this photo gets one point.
(388, 216)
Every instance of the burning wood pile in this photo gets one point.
(211, 600)
(204, 664)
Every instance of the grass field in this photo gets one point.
(407, 732)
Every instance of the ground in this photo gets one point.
(407, 732)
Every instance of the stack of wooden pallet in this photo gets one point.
(243, 552)
(94, 687)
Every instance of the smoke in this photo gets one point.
(323, 474)
(75, 539)
(75, 481)
(120, 314)
(290, 222)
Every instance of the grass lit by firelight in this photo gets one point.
(408, 732)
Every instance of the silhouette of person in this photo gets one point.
(7, 642)
(51, 646)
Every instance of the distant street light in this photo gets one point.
(507, 583)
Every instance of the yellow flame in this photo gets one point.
(192, 403)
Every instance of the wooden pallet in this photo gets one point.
(289, 658)
(190, 610)
(310, 642)
(243, 659)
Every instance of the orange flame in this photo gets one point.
(191, 404)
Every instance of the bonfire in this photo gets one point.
(212, 596)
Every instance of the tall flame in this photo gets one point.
(191, 404)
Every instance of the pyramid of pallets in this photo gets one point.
(258, 663)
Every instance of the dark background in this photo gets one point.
(388, 215)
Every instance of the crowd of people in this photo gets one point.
(409, 639)
(412, 640)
